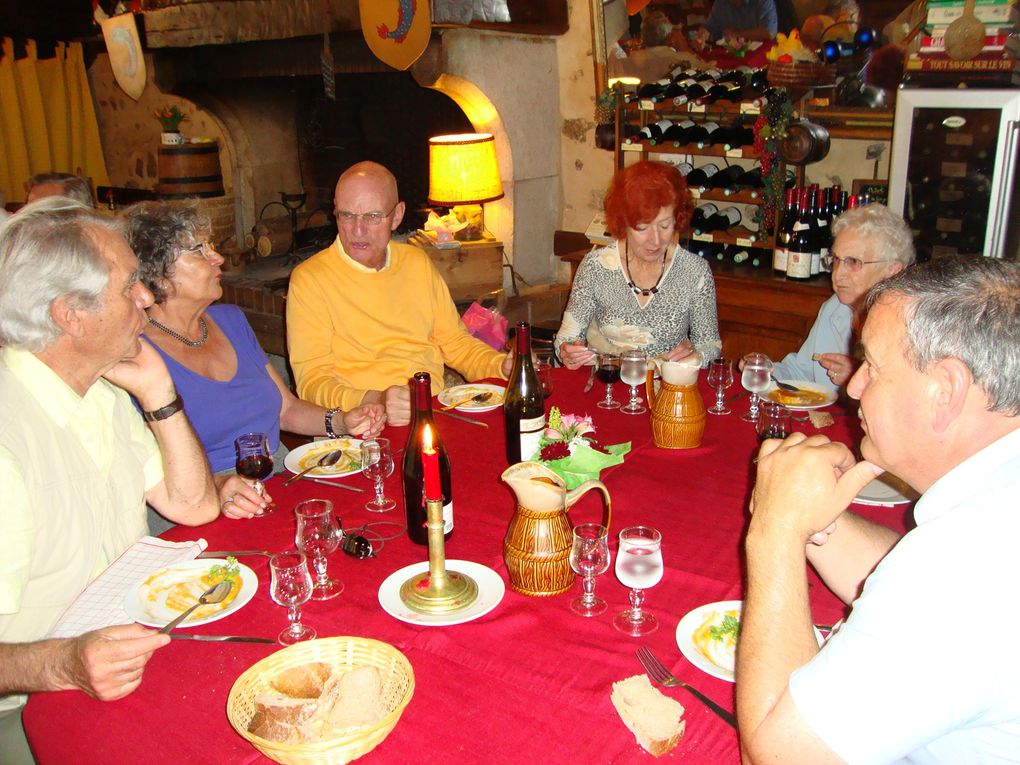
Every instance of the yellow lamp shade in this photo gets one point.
(463, 170)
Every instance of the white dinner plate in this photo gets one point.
(460, 392)
(887, 489)
(490, 592)
(153, 614)
(773, 394)
(694, 619)
(308, 454)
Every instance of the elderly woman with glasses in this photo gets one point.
(225, 379)
(871, 244)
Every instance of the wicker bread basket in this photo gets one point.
(343, 653)
(800, 77)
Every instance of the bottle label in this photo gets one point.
(800, 226)
(798, 265)
(531, 434)
(779, 258)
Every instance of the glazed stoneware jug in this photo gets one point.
(536, 548)
(678, 412)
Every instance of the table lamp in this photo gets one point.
(463, 175)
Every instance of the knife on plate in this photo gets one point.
(334, 484)
(231, 553)
(456, 416)
(221, 638)
(591, 379)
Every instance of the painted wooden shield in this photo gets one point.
(125, 49)
(397, 31)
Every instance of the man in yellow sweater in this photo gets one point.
(366, 313)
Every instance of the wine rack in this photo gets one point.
(636, 114)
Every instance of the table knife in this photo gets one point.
(736, 396)
(231, 553)
(221, 638)
(334, 484)
(456, 416)
(591, 379)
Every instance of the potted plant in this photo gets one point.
(170, 119)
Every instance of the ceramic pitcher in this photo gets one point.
(536, 548)
(678, 412)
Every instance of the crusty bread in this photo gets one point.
(353, 698)
(821, 419)
(281, 718)
(654, 719)
(302, 682)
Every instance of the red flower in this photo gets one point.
(555, 451)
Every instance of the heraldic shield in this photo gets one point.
(125, 49)
(397, 31)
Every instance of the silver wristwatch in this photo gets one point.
(329, 422)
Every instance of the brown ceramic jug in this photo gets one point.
(678, 412)
(536, 548)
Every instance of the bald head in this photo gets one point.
(370, 175)
(368, 210)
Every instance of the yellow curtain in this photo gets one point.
(47, 119)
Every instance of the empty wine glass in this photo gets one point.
(377, 466)
(720, 377)
(638, 566)
(589, 557)
(255, 461)
(544, 363)
(633, 370)
(608, 372)
(291, 587)
(755, 378)
(318, 534)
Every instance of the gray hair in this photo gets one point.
(48, 250)
(158, 232)
(72, 186)
(655, 29)
(887, 234)
(966, 308)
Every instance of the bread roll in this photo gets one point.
(654, 719)
(280, 718)
(302, 682)
(352, 698)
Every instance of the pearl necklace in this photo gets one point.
(630, 279)
(203, 327)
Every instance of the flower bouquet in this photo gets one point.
(170, 118)
(568, 449)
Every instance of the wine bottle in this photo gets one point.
(725, 178)
(780, 255)
(655, 131)
(798, 264)
(523, 404)
(698, 177)
(677, 132)
(701, 214)
(751, 179)
(728, 91)
(819, 230)
(413, 471)
(824, 219)
(653, 91)
(719, 221)
(700, 134)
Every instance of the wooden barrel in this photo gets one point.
(190, 170)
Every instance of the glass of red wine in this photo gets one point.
(608, 372)
(255, 462)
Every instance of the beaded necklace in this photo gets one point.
(630, 279)
(203, 327)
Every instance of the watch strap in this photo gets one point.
(330, 431)
(166, 411)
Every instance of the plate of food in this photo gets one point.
(809, 396)
(309, 454)
(163, 595)
(472, 397)
(887, 489)
(708, 637)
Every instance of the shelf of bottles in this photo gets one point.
(804, 237)
(703, 122)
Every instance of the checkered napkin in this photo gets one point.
(101, 604)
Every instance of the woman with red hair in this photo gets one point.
(644, 291)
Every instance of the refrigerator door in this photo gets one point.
(954, 158)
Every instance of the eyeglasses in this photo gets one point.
(374, 218)
(853, 265)
(204, 249)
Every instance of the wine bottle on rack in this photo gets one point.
(780, 255)
(819, 229)
(655, 131)
(802, 240)
(722, 220)
(677, 132)
(700, 134)
(750, 179)
(653, 91)
(701, 214)
(698, 177)
(725, 178)
(413, 471)
(721, 91)
(523, 404)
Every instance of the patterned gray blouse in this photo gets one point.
(604, 311)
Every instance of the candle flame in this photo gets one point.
(426, 439)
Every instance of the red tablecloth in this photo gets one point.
(530, 681)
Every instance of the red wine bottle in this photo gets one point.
(781, 254)
(698, 177)
(720, 221)
(802, 242)
(413, 471)
(523, 404)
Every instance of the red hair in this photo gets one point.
(638, 192)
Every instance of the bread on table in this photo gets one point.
(654, 719)
(353, 698)
(821, 419)
(281, 718)
(304, 681)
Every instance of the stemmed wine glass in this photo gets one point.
(255, 461)
(318, 534)
(589, 557)
(291, 587)
(377, 466)
(633, 370)
(638, 566)
(608, 372)
(720, 377)
(755, 378)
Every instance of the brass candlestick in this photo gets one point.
(438, 591)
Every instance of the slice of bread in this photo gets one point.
(279, 718)
(302, 682)
(820, 419)
(654, 719)
(353, 698)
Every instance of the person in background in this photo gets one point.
(367, 313)
(77, 461)
(229, 386)
(644, 291)
(924, 669)
(871, 243)
(657, 56)
(749, 19)
(59, 185)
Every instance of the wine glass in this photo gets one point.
(720, 377)
(255, 462)
(638, 566)
(291, 587)
(608, 372)
(633, 370)
(755, 378)
(589, 557)
(377, 466)
(544, 362)
(318, 534)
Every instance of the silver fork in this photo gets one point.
(654, 669)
